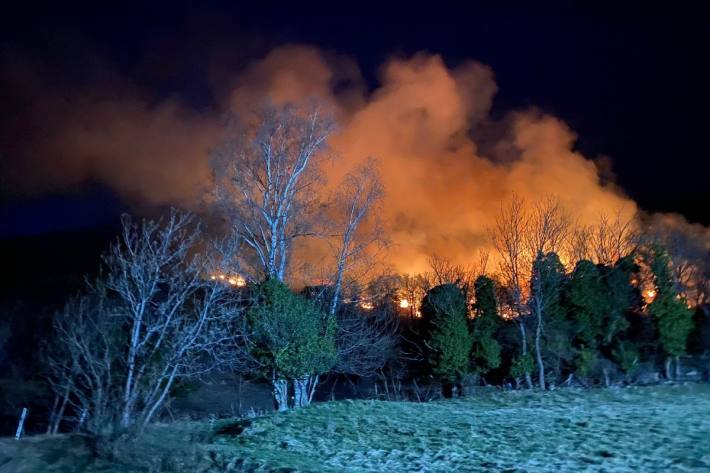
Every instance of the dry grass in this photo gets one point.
(663, 428)
(640, 429)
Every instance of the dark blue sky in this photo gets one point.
(629, 80)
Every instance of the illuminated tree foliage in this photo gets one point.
(621, 296)
(292, 340)
(486, 352)
(587, 303)
(546, 286)
(669, 309)
(587, 298)
(447, 338)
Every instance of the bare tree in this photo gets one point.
(611, 240)
(81, 360)
(360, 195)
(362, 342)
(265, 175)
(444, 271)
(509, 238)
(547, 233)
(688, 247)
(154, 317)
(365, 341)
(480, 267)
(413, 289)
(579, 245)
(548, 228)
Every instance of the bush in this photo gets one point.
(522, 365)
(585, 361)
(626, 355)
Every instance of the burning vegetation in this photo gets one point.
(432, 266)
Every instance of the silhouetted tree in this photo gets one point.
(546, 285)
(486, 351)
(152, 318)
(509, 240)
(586, 302)
(446, 338)
(266, 175)
(292, 340)
(670, 310)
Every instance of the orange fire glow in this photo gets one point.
(649, 295)
(232, 280)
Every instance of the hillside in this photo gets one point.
(663, 428)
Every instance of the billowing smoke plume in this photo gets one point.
(149, 153)
(446, 166)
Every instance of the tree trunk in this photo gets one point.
(161, 399)
(300, 392)
(538, 352)
(21, 424)
(280, 394)
(312, 385)
(668, 368)
(129, 387)
(678, 371)
(524, 349)
(82, 419)
(60, 413)
(53, 414)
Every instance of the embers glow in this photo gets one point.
(232, 280)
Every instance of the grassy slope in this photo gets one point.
(632, 429)
(664, 428)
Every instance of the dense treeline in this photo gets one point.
(590, 325)
(175, 300)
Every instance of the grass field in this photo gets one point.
(662, 428)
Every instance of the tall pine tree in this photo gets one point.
(670, 310)
(486, 349)
(447, 341)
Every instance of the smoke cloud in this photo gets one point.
(429, 126)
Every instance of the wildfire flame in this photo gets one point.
(237, 281)
(649, 295)
(232, 280)
(404, 303)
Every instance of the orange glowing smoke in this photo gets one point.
(446, 164)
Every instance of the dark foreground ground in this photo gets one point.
(661, 428)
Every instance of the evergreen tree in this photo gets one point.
(546, 288)
(486, 351)
(669, 309)
(587, 303)
(621, 297)
(447, 339)
(291, 339)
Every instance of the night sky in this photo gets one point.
(628, 80)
